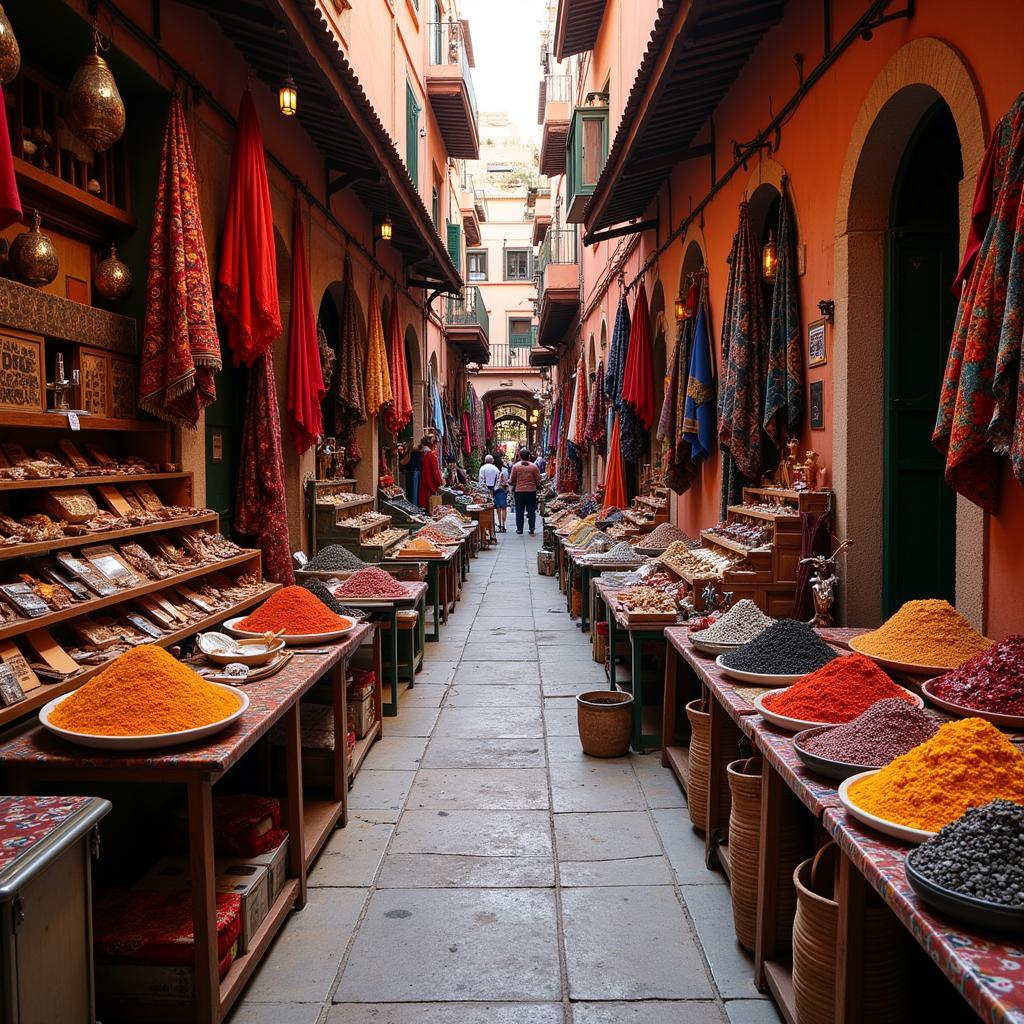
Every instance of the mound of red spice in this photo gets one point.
(836, 692)
(434, 535)
(990, 681)
(296, 611)
(370, 582)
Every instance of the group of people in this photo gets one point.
(523, 479)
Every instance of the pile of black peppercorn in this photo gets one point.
(788, 648)
(336, 558)
(979, 855)
(320, 591)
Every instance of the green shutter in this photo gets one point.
(412, 134)
(455, 245)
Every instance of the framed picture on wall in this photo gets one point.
(817, 353)
(817, 405)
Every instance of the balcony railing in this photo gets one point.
(558, 89)
(448, 47)
(508, 354)
(559, 246)
(467, 309)
(479, 200)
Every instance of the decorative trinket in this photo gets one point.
(112, 278)
(93, 106)
(33, 257)
(61, 385)
(10, 52)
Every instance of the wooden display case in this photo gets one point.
(331, 526)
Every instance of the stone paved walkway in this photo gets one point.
(493, 874)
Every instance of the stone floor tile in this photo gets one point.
(710, 907)
(378, 789)
(454, 945)
(437, 671)
(375, 816)
(490, 652)
(752, 1011)
(684, 848)
(458, 871)
(352, 855)
(446, 1013)
(452, 752)
(485, 672)
(485, 723)
(306, 955)
(437, 652)
(649, 1012)
(424, 695)
(396, 753)
(660, 960)
(660, 786)
(502, 789)
(412, 721)
(249, 1012)
(509, 695)
(569, 684)
(630, 871)
(561, 722)
(612, 835)
(473, 833)
(567, 748)
(594, 787)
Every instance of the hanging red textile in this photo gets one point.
(399, 412)
(488, 422)
(638, 381)
(180, 346)
(247, 280)
(378, 381)
(430, 477)
(614, 478)
(260, 507)
(305, 375)
(10, 201)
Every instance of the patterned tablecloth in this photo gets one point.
(735, 699)
(988, 974)
(776, 746)
(26, 821)
(266, 699)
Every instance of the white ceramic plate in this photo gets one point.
(706, 647)
(961, 711)
(297, 639)
(890, 828)
(798, 725)
(758, 678)
(166, 739)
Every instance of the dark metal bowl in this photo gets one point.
(824, 766)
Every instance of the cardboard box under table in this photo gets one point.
(34, 758)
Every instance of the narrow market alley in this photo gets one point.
(491, 872)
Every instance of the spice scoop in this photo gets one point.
(251, 653)
(216, 643)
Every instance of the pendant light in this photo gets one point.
(288, 96)
(93, 107)
(10, 52)
(682, 312)
(770, 260)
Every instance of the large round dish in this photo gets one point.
(825, 766)
(977, 913)
(904, 833)
(910, 667)
(243, 655)
(296, 639)
(962, 711)
(758, 678)
(799, 725)
(148, 742)
(707, 647)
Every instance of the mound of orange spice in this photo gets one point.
(928, 632)
(144, 692)
(296, 611)
(967, 763)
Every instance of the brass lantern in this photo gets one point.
(33, 256)
(682, 310)
(770, 260)
(10, 52)
(93, 106)
(288, 96)
(386, 229)
(112, 278)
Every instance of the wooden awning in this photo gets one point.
(576, 26)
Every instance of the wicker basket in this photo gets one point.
(815, 941)
(744, 846)
(697, 787)
(605, 720)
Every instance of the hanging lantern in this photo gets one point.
(33, 256)
(288, 96)
(770, 260)
(682, 310)
(93, 107)
(386, 229)
(10, 52)
(112, 278)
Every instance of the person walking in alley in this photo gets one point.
(501, 495)
(430, 471)
(526, 482)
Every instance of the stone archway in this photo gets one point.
(917, 75)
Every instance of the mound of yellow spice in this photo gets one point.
(967, 763)
(928, 632)
(144, 692)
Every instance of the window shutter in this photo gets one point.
(412, 134)
(455, 245)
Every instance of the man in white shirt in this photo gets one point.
(489, 473)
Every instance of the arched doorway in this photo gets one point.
(919, 510)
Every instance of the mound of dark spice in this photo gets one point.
(991, 681)
(876, 736)
(319, 590)
(788, 648)
(979, 855)
(335, 558)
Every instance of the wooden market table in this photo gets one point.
(483, 514)
(441, 585)
(32, 757)
(796, 802)
(588, 572)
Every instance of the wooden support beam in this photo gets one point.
(626, 229)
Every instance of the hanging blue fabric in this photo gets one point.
(699, 411)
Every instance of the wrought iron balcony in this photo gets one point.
(468, 326)
(559, 285)
(450, 88)
(511, 354)
(554, 113)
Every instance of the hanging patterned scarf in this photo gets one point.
(596, 429)
(698, 426)
(400, 411)
(633, 405)
(981, 407)
(784, 392)
(378, 381)
(680, 471)
(349, 396)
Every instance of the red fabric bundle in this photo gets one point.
(638, 382)
(399, 412)
(247, 279)
(305, 375)
(614, 481)
(180, 346)
(430, 477)
(10, 201)
(143, 927)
